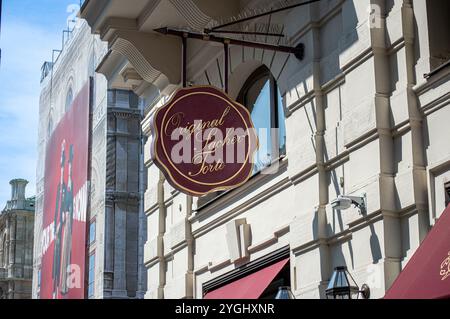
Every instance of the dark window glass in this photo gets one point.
(92, 232)
(438, 13)
(447, 194)
(258, 100)
(91, 278)
(91, 72)
(262, 97)
(91, 66)
(283, 279)
(49, 127)
(282, 124)
(69, 99)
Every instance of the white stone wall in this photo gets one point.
(117, 176)
(360, 119)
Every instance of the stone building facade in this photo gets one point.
(16, 243)
(116, 234)
(360, 119)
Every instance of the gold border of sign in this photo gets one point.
(157, 133)
(173, 165)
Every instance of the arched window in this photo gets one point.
(91, 73)
(49, 126)
(91, 66)
(261, 95)
(69, 99)
(1, 252)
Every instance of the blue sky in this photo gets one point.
(30, 30)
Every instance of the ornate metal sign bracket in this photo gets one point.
(298, 51)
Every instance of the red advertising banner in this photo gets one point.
(65, 204)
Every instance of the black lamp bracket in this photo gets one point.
(365, 291)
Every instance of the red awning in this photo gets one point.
(249, 287)
(427, 274)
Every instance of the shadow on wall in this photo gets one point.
(337, 34)
(350, 32)
(346, 25)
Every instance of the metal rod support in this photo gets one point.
(298, 51)
(226, 57)
(208, 31)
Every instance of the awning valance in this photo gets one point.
(249, 287)
(427, 274)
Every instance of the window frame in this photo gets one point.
(258, 74)
(255, 76)
(447, 193)
(68, 102)
(39, 278)
(49, 126)
(436, 63)
(4, 256)
(90, 296)
(93, 221)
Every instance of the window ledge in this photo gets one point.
(437, 70)
(255, 179)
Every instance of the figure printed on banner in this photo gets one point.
(63, 222)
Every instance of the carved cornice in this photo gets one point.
(142, 66)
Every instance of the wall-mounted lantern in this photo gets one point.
(343, 286)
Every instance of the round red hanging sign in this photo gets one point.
(203, 141)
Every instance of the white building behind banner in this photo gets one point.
(356, 117)
(116, 221)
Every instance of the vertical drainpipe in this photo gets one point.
(161, 232)
(416, 122)
(142, 224)
(319, 138)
